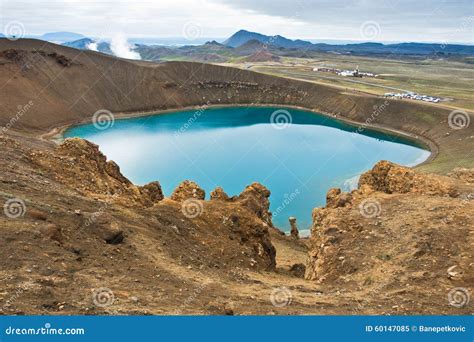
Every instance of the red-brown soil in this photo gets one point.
(79, 226)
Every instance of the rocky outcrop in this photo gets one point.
(298, 270)
(336, 199)
(243, 222)
(256, 198)
(80, 164)
(152, 191)
(186, 190)
(235, 229)
(104, 226)
(397, 223)
(392, 178)
(294, 233)
(219, 194)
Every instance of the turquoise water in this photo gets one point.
(233, 147)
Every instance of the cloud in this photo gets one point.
(121, 48)
(399, 20)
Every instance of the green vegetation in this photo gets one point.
(450, 79)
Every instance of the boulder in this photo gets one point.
(186, 190)
(336, 199)
(294, 233)
(298, 270)
(219, 194)
(256, 198)
(152, 192)
(37, 214)
(104, 226)
(52, 232)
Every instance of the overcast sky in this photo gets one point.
(376, 20)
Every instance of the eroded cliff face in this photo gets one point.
(78, 221)
(400, 231)
(233, 231)
(79, 164)
(391, 178)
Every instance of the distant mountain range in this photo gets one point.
(241, 37)
(252, 46)
(61, 37)
(279, 44)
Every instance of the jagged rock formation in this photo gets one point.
(256, 198)
(153, 191)
(219, 194)
(400, 231)
(391, 178)
(294, 233)
(233, 232)
(335, 198)
(186, 190)
(79, 163)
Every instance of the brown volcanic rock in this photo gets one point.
(219, 194)
(104, 226)
(464, 174)
(335, 198)
(186, 190)
(240, 219)
(153, 191)
(294, 233)
(144, 239)
(87, 155)
(245, 238)
(52, 232)
(392, 178)
(256, 198)
(80, 164)
(418, 233)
